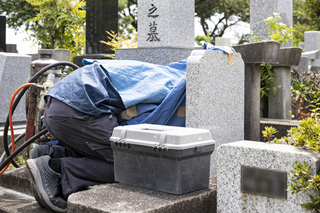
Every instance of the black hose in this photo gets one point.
(19, 96)
(24, 145)
(15, 141)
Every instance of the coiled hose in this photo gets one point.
(14, 105)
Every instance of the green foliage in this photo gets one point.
(312, 9)
(278, 31)
(127, 18)
(20, 161)
(200, 40)
(121, 41)
(267, 80)
(303, 181)
(307, 134)
(306, 15)
(17, 12)
(59, 24)
(269, 132)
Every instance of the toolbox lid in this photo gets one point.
(169, 137)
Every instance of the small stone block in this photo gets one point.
(222, 41)
(289, 56)
(271, 158)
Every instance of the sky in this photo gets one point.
(27, 47)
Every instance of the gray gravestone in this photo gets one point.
(270, 171)
(260, 10)
(2, 33)
(312, 43)
(312, 40)
(215, 96)
(14, 71)
(167, 23)
(165, 32)
(101, 16)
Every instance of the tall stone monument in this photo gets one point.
(165, 32)
(262, 9)
(216, 96)
(101, 16)
(2, 33)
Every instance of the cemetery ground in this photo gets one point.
(223, 95)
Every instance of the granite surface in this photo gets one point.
(279, 104)
(260, 10)
(127, 199)
(312, 40)
(14, 71)
(312, 43)
(274, 157)
(303, 64)
(166, 23)
(162, 56)
(215, 96)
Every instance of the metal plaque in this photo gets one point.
(264, 182)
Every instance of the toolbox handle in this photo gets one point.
(123, 134)
(162, 139)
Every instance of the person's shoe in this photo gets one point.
(46, 183)
(39, 150)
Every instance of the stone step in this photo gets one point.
(119, 197)
(115, 197)
(16, 179)
(15, 202)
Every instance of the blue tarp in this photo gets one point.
(112, 86)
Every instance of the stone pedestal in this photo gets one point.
(253, 55)
(14, 71)
(162, 56)
(263, 189)
(279, 104)
(215, 96)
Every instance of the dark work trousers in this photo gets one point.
(87, 157)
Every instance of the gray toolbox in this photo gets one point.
(165, 158)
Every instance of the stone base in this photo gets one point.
(162, 56)
(271, 158)
(78, 59)
(126, 198)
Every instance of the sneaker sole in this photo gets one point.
(37, 182)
